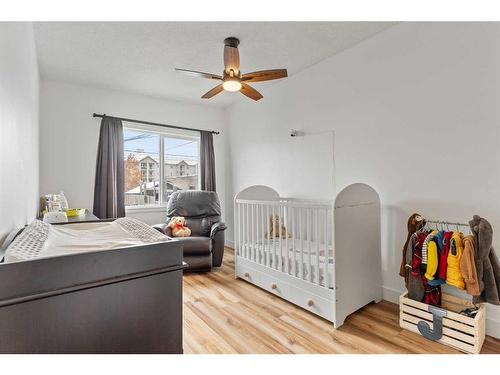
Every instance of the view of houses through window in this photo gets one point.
(147, 181)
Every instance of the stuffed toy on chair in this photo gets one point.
(276, 228)
(178, 226)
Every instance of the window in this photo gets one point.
(158, 163)
(180, 152)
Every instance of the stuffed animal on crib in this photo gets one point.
(178, 226)
(275, 223)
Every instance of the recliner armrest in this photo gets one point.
(217, 227)
(163, 228)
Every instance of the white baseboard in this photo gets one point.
(493, 328)
(392, 295)
(230, 244)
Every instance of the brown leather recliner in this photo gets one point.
(204, 249)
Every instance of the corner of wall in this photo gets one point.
(19, 117)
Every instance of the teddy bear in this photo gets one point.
(178, 226)
(275, 223)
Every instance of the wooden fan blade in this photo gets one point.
(198, 74)
(231, 59)
(264, 75)
(216, 90)
(250, 92)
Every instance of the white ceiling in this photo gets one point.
(140, 57)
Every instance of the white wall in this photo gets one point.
(18, 126)
(415, 114)
(69, 136)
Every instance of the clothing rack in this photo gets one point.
(446, 223)
(426, 309)
(153, 123)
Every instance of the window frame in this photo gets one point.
(162, 132)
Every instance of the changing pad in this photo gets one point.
(40, 239)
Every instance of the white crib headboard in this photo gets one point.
(258, 192)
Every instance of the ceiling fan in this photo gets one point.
(232, 78)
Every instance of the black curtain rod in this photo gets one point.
(151, 123)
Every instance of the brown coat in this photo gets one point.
(415, 222)
(468, 267)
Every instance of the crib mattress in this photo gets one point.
(263, 254)
(295, 243)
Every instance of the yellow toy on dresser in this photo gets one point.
(73, 212)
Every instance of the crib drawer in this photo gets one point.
(458, 331)
(285, 286)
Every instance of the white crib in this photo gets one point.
(325, 257)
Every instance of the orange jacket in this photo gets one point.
(468, 267)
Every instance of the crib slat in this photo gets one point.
(256, 237)
(252, 238)
(316, 241)
(274, 265)
(280, 234)
(301, 228)
(262, 235)
(309, 243)
(259, 233)
(294, 232)
(240, 207)
(287, 252)
(268, 236)
(326, 276)
(247, 234)
(249, 228)
(245, 229)
(238, 229)
(256, 223)
(242, 226)
(242, 250)
(249, 242)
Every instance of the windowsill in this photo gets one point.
(157, 208)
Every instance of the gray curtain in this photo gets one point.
(207, 161)
(109, 175)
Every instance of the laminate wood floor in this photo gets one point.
(227, 315)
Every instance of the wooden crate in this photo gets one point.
(459, 331)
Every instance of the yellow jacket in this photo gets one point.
(453, 275)
(432, 260)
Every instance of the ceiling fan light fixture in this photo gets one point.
(231, 85)
(232, 79)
